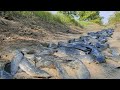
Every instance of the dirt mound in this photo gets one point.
(36, 30)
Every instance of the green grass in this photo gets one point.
(65, 19)
(115, 18)
(109, 26)
(85, 23)
(44, 16)
(57, 18)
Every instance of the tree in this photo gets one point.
(70, 14)
(93, 16)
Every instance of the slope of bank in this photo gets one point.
(26, 30)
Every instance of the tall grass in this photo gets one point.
(17, 14)
(65, 19)
(45, 16)
(59, 17)
(115, 18)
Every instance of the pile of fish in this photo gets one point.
(22, 62)
(92, 44)
(68, 54)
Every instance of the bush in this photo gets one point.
(66, 19)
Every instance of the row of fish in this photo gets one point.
(93, 44)
(21, 62)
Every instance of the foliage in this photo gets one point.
(66, 19)
(42, 15)
(114, 19)
(85, 23)
(92, 16)
(70, 14)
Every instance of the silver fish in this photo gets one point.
(62, 72)
(30, 69)
(18, 56)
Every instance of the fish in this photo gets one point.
(62, 72)
(18, 56)
(31, 70)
